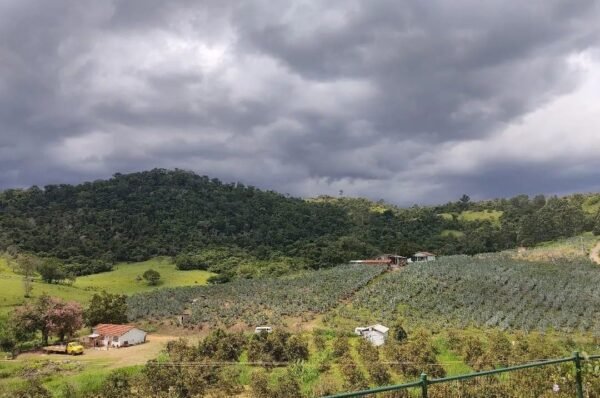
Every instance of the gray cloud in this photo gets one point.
(411, 102)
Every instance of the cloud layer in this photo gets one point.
(410, 102)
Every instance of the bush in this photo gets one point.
(152, 277)
(186, 262)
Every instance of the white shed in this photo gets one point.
(374, 334)
(111, 335)
(423, 256)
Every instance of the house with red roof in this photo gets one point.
(111, 335)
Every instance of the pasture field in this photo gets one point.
(11, 286)
(122, 279)
(575, 247)
(487, 215)
(471, 215)
(452, 232)
(591, 203)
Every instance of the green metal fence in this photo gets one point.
(422, 387)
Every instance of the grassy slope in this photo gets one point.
(121, 280)
(471, 215)
(487, 215)
(592, 204)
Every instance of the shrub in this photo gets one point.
(152, 277)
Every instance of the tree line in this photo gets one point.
(133, 217)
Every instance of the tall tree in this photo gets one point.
(106, 308)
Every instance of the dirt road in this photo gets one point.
(595, 253)
(114, 357)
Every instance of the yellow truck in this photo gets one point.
(72, 348)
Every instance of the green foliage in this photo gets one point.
(398, 332)
(8, 336)
(152, 277)
(106, 308)
(278, 346)
(222, 346)
(341, 347)
(415, 355)
(185, 262)
(32, 388)
(117, 385)
(354, 379)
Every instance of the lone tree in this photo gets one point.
(106, 308)
(152, 277)
(27, 266)
(51, 271)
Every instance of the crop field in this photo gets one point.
(489, 290)
(256, 301)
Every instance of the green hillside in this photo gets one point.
(122, 280)
(135, 217)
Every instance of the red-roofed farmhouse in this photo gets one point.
(110, 335)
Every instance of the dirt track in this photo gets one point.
(595, 253)
(115, 357)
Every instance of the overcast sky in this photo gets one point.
(412, 101)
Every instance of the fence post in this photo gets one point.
(578, 378)
(423, 385)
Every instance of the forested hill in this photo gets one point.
(137, 216)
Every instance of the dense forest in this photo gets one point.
(178, 213)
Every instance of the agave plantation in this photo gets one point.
(255, 301)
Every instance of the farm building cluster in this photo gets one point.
(395, 261)
(115, 336)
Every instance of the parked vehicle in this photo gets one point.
(72, 348)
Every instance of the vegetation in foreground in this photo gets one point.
(283, 364)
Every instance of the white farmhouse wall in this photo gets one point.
(374, 337)
(133, 337)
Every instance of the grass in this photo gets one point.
(453, 233)
(11, 286)
(124, 277)
(577, 246)
(592, 204)
(485, 215)
(121, 280)
(83, 377)
(471, 215)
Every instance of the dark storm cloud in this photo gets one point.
(372, 97)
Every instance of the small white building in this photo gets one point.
(423, 256)
(374, 334)
(110, 335)
(263, 329)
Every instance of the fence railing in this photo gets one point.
(424, 382)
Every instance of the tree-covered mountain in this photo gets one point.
(160, 212)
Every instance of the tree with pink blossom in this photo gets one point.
(49, 316)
